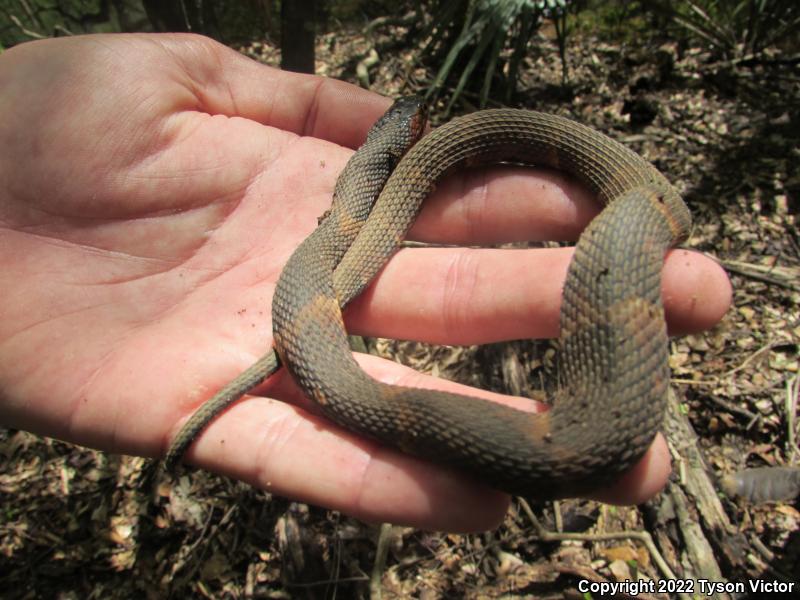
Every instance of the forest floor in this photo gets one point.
(80, 526)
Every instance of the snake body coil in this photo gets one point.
(613, 335)
(614, 373)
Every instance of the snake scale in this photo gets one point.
(614, 371)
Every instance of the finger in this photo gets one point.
(291, 452)
(225, 82)
(644, 480)
(505, 204)
(287, 450)
(641, 482)
(450, 295)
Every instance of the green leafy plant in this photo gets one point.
(735, 28)
(486, 38)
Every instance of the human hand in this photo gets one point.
(152, 187)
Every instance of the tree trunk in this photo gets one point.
(297, 35)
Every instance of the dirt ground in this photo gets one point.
(78, 524)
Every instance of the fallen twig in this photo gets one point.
(781, 276)
(642, 536)
(381, 552)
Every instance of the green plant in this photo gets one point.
(489, 37)
(735, 28)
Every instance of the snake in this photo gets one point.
(613, 377)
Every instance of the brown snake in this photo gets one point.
(614, 372)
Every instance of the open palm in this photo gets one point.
(155, 187)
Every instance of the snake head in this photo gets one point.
(408, 114)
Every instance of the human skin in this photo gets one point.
(151, 189)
